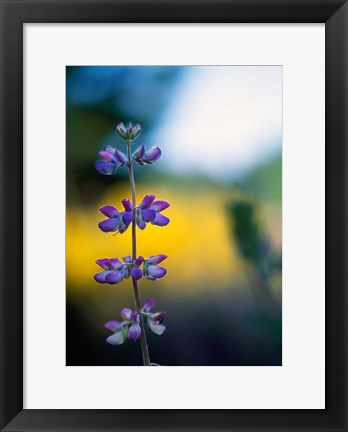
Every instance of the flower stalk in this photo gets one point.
(137, 300)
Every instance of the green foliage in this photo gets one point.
(246, 230)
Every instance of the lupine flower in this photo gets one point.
(111, 160)
(150, 211)
(128, 328)
(118, 337)
(151, 270)
(113, 271)
(148, 305)
(130, 133)
(134, 267)
(154, 320)
(143, 156)
(116, 222)
(134, 330)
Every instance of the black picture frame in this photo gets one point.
(334, 13)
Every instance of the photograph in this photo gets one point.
(174, 215)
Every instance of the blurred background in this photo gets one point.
(220, 130)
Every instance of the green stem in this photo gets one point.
(137, 300)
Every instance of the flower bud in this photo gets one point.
(136, 131)
(121, 130)
(130, 133)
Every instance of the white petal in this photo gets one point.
(115, 339)
(158, 329)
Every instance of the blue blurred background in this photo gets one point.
(220, 130)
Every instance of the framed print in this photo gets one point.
(173, 186)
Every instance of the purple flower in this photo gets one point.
(111, 160)
(133, 268)
(134, 330)
(126, 313)
(129, 133)
(150, 211)
(143, 156)
(152, 155)
(113, 271)
(136, 271)
(148, 305)
(121, 130)
(151, 270)
(128, 328)
(116, 222)
(116, 327)
(138, 155)
(154, 320)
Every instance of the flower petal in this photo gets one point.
(113, 325)
(126, 272)
(158, 317)
(139, 153)
(114, 277)
(156, 271)
(147, 201)
(126, 313)
(109, 149)
(148, 215)
(109, 225)
(159, 205)
(107, 168)
(140, 221)
(123, 227)
(115, 339)
(158, 329)
(127, 217)
(103, 263)
(109, 211)
(148, 305)
(121, 157)
(136, 273)
(134, 317)
(139, 260)
(134, 332)
(127, 204)
(156, 259)
(152, 155)
(114, 264)
(107, 156)
(101, 277)
(109, 263)
(127, 259)
(160, 220)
